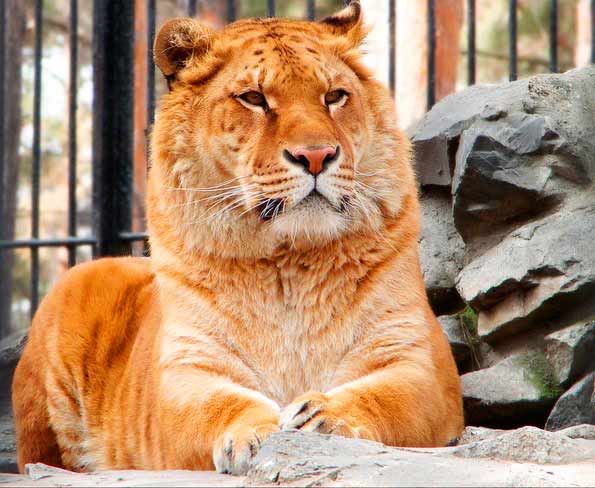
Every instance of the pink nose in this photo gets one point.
(314, 159)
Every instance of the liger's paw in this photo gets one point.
(313, 412)
(234, 450)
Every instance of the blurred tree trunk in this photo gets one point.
(582, 51)
(140, 115)
(412, 54)
(15, 31)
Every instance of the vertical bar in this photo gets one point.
(191, 8)
(512, 39)
(431, 54)
(36, 164)
(471, 42)
(554, 36)
(231, 10)
(593, 31)
(312, 9)
(391, 46)
(270, 8)
(2, 118)
(150, 63)
(72, 143)
(113, 55)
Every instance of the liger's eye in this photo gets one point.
(335, 96)
(254, 98)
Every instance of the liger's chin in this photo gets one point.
(313, 221)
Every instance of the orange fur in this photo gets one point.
(314, 318)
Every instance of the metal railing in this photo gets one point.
(113, 45)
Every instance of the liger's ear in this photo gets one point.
(179, 41)
(348, 23)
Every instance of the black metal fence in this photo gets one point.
(113, 39)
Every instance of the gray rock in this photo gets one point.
(581, 431)
(530, 445)
(571, 351)
(306, 459)
(514, 392)
(575, 407)
(542, 269)
(460, 345)
(478, 434)
(495, 180)
(441, 250)
(566, 101)
(11, 348)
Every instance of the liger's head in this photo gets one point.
(273, 133)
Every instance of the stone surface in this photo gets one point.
(530, 445)
(451, 324)
(441, 250)
(575, 407)
(511, 393)
(11, 348)
(526, 457)
(517, 159)
(582, 431)
(571, 351)
(541, 269)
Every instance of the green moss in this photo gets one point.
(468, 326)
(468, 320)
(541, 374)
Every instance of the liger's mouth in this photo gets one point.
(270, 208)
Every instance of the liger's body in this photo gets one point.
(284, 289)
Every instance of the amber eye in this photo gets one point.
(335, 96)
(254, 98)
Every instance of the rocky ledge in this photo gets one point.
(484, 457)
(506, 177)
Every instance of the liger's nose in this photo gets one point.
(313, 158)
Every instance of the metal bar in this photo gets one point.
(312, 9)
(270, 8)
(72, 143)
(133, 236)
(512, 40)
(392, 79)
(471, 42)
(2, 115)
(151, 9)
(554, 36)
(36, 164)
(431, 54)
(113, 55)
(53, 242)
(231, 11)
(191, 8)
(593, 31)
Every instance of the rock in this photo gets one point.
(543, 268)
(441, 251)
(571, 351)
(42, 475)
(575, 407)
(300, 459)
(565, 102)
(516, 391)
(582, 431)
(306, 459)
(11, 348)
(477, 434)
(520, 167)
(495, 180)
(460, 345)
(530, 445)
